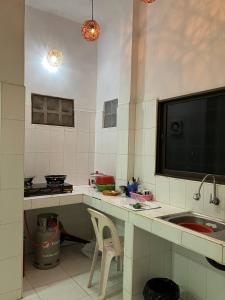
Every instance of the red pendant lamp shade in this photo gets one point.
(148, 1)
(90, 29)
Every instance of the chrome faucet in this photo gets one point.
(213, 198)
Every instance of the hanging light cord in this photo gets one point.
(92, 9)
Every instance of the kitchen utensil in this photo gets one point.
(55, 179)
(105, 187)
(111, 193)
(28, 181)
(106, 179)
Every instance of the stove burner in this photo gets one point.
(47, 189)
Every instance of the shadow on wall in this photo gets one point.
(181, 47)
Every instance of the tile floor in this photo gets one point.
(68, 281)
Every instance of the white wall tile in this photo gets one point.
(92, 120)
(131, 141)
(122, 142)
(12, 270)
(13, 295)
(12, 133)
(177, 192)
(123, 117)
(197, 281)
(56, 163)
(91, 143)
(13, 102)
(70, 141)
(149, 141)
(11, 172)
(82, 163)
(122, 167)
(138, 166)
(98, 142)
(180, 273)
(83, 142)
(40, 139)
(42, 164)
(148, 169)
(11, 234)
(149, 114)
(56, 139)
(139, 116)
(83, 121)
(214, 285)
(29, 164)
(163, 189)
(211, 209)
(139, 142)
(11, 206)
(98, 121)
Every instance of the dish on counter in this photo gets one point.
(111, 193)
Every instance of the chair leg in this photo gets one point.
(107, 257)
(94, 261)
(118, 263)
(121, 263)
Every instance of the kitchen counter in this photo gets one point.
(147, 220)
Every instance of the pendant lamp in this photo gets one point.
(148, 1)
(90, 28)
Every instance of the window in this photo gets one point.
(110, 113)
(47, 110)
(191, 139)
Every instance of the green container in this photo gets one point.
(105, 187)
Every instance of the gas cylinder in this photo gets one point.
(47, 242)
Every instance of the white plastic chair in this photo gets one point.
(110, 248)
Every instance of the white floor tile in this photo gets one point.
(65, 289)
(38, 278)
(28, 292)
(69, 280)
(31, 297)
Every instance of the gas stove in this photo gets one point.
(42, 189)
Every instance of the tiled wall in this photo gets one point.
(12, 106)
(197, 279)
(171, 60)
(168, 66)
(52, 149)
(57, 150)
(114, 82)
(12, 99)
(105, 147)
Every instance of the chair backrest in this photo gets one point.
(100, 221)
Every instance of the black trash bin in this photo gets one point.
(161, 289)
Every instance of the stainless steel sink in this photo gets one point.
(217, 226)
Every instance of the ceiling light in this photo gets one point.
(55, 58)
(90, 28)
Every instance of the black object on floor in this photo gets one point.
(161, 289)
(65, 236)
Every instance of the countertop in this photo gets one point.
(147, 220)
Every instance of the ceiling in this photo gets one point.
(75, 10)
